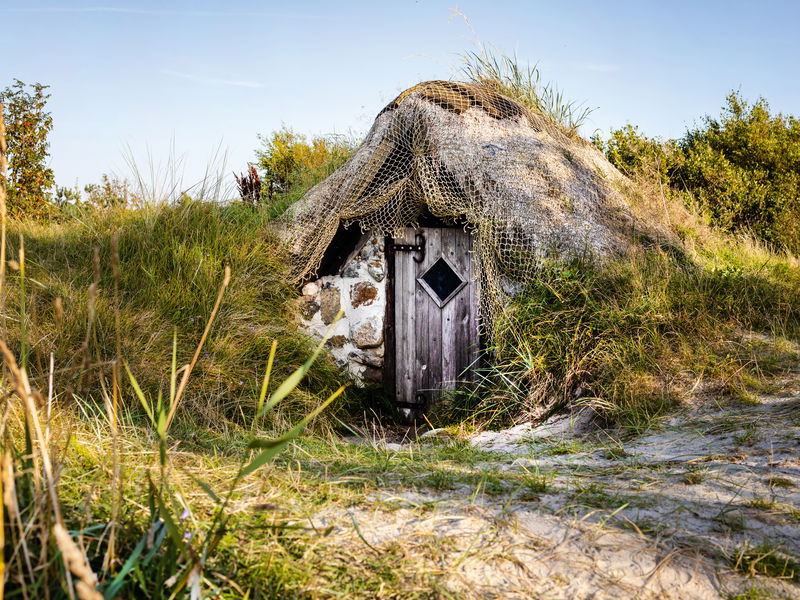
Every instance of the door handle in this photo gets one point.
(419, 242)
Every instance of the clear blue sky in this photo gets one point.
(143, 74)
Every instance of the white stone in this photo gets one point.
(367, 333)
(361, 325)
(311, 289)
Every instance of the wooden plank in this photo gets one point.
(449, 317)
(428, 369)
(390, 350)
(404, 320)
(457, 314)
(471, 342)
(474, 306)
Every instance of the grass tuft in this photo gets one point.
(522, 82)
(765, 559)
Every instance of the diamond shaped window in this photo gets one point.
(442, 281)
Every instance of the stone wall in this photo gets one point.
(360, 290)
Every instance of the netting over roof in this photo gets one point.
(468, 155)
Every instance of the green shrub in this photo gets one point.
(635, 154)
(111, 191)
(743, 168)
(292, 164)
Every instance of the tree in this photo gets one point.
(290, 160)
(743, 168)
(29, 181)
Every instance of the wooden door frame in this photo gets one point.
(389, 359)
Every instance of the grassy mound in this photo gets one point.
(690, 310)
(104, 283)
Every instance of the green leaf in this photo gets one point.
(274, 447)
(265, 383)
(140, 394)
(263, 458)
(291, 382)
(206, 488)
(169, 523)
(173, 373)
(116, 584)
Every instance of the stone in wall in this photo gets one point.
(351, 270)
(372, 375)
(337, 341)
(308, 308)
(363, 294)
(311, 289)
(372, 357)
(367, 334)
(329, 303)
(376, 270)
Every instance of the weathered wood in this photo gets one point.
(389, 337)
(459, 324)
(429, 325)
(434, 346)
(405, 284)
(473, 323)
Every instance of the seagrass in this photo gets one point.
(516, 180)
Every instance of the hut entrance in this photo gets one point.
(435, 305)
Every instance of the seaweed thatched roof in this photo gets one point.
(465, 153)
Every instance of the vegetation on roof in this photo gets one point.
(509, 76)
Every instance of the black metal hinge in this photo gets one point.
(419, 247)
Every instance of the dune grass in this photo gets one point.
(169, 267)
(509, 76)
(686, 312)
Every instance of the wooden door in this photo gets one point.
(435, 313)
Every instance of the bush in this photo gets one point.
(635, 154)
(741, 170)
(744, 170)
(292, 164)
(111, 191)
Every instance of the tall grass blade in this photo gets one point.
(140, 395)
(265, 383)
(273, 447)
(291, 382)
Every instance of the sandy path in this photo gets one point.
(659, 516)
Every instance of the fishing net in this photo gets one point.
(523, 187)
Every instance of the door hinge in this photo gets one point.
(420, 402)
(419, 247)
